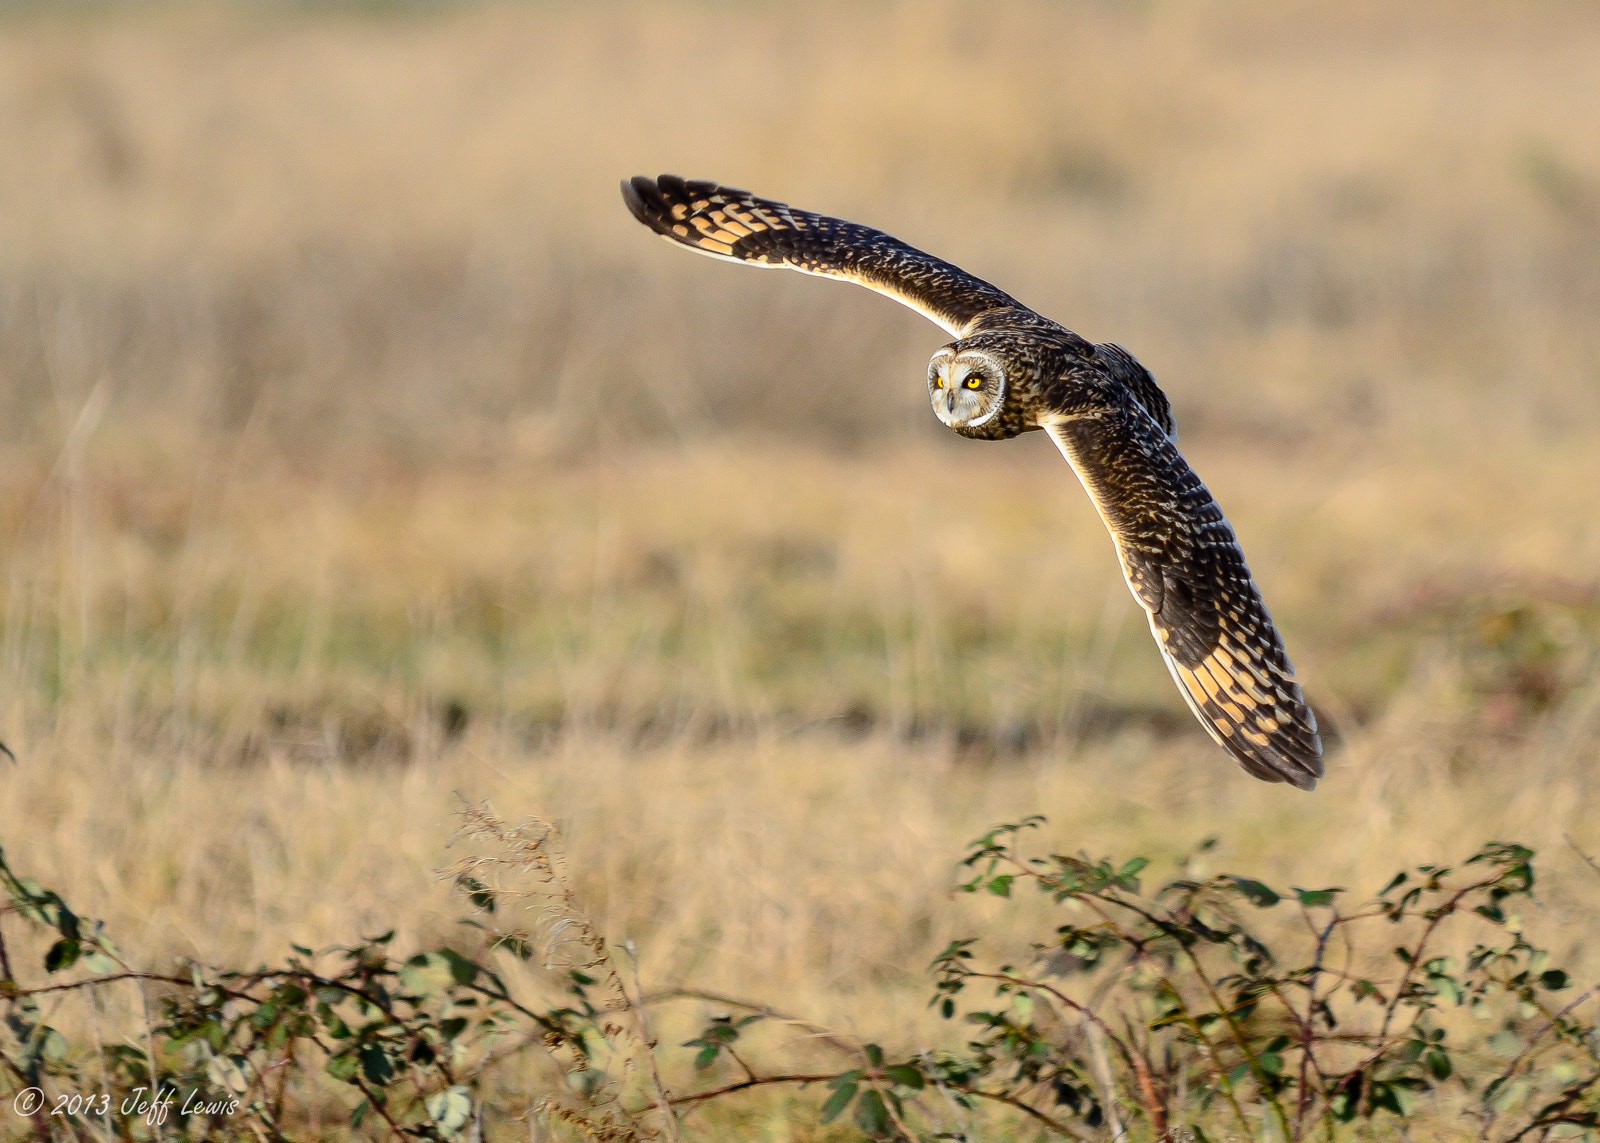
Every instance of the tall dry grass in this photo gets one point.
(359, 451)
(405, 229)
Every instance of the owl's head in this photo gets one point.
(967, 386)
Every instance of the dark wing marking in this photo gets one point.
(1185, 568)
(734, 224)
(1123, 366)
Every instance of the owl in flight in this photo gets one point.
(1011, 370)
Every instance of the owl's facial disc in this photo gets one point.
(966, 388)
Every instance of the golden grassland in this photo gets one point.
(358, 453)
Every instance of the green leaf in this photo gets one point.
(1393, 1097)
(1362, 989)
(906, 1075)
(1317, 898)
(62, 954)
(1346, 1099)
(228, 1072)
(426, 974)
(1505, 1044)
(874, 1055)
(481, 895)
(1438, 1063)
(704, 1058)
(872, 1116)
(1555, 980)
(343, 1066)
(1405, 1098)
(450, 1109)
(376, 1065)
(1255, 892)
(1128, 876)
(1383, 1097)
(359, 1113)
(53, 1046)
(1001, 886)
(99, 963)
(838, 1101)
(1504, 1093)
(462, 970)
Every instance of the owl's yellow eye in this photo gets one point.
(938, 382)
(974, 382)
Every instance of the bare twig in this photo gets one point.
(755, 1081)
(1516, 1063)
(1435, 920)
(41, 1122)
(826, 1035)
(994, 1097)
(669, 1121)
(1559, 1107)
(5, 958)
(1108, 1087)
(150, 1053)
(1587, 860)
(1154, 1103)
(1049, 1121)
(375, 1101)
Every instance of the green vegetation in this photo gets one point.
(1194, 1010)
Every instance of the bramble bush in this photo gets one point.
(1205, 1008)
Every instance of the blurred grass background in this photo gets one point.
(357, 449)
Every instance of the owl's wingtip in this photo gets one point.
(1292, 756)
(1303, 770)
(636, 195)
(651, 200)
(1304, 779)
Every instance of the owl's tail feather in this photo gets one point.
(725, 222)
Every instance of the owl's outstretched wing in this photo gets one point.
(1123, 366)
(1185, 568)
(734, 224)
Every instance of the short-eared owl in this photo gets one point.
(1010, 370)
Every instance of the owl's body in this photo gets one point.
(1010, 371)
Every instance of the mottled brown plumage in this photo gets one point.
(1010, 371)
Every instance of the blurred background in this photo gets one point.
(358, 451)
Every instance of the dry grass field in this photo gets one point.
(358, 453)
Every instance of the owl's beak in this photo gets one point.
(950, 400)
